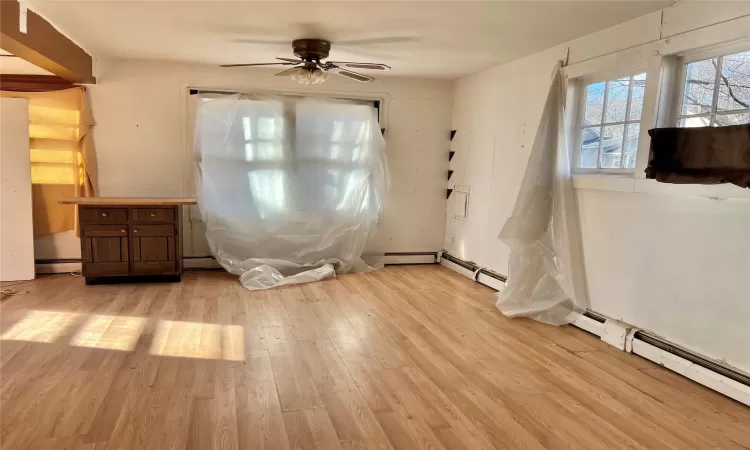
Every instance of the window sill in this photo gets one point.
(627, 183)
(604, 182)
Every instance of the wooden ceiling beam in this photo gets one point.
(43, 46)
(33, 83)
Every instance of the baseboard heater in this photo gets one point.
(713, 374)
(475, 269)
(62, 265)
(209, 262)
(403, 258)
(389, 259)
(695, 358)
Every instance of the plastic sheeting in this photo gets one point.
(290, 189)
(546, 276)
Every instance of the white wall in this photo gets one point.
(16, 222)
(142, 126)
(671, 259)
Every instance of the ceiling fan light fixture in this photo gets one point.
(307, 75)
(319, 76)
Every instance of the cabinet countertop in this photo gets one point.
(134, 201)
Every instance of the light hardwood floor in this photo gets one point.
(409, 357)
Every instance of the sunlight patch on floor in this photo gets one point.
(199, 340)
(41, 326)
(110, 332)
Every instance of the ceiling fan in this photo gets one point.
(309, 69)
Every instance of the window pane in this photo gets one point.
(52, 156)
(52, 174)
(594, 103)
(612, 146)
(631, 145)
(589, 148)
(734, 84)
(636, 101)
(695, 122)
(700, 78)
(724, 120)
(617, 100)
(269, 190)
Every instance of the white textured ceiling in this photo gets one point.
(435, 39)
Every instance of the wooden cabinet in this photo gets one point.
(123, 237)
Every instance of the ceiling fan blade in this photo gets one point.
(286, 72)
(259, 64)
(358, 65)
(349, 74)
(291, 60)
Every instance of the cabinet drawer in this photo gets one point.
(105, 230)
(105, 269)
(152, 214)
(155, 268)
(104, 215)
(153, 230)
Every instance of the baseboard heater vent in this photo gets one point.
(493, 274)
(595, 316)
(460, 262)
(468, 265)
(693, 357)
(58, 261)
(407, 258)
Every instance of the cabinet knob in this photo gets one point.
(122, 230)
(104, 214)
(135, 231)
(153, 214)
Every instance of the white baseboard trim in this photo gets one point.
(480, 277)
(588, 324)
(456, 268)
(706, 377)
(487, 280)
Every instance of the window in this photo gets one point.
(287, 160)
(609, 124)
(55, 158)
(716, 92)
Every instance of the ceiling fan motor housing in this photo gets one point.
(311, 49)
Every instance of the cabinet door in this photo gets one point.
(105, 251)
(154, 250)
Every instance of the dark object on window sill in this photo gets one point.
(709, 155)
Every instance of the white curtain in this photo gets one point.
(546, 279)
(290, 189)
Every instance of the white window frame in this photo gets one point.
(683, 60)
(580, 88)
